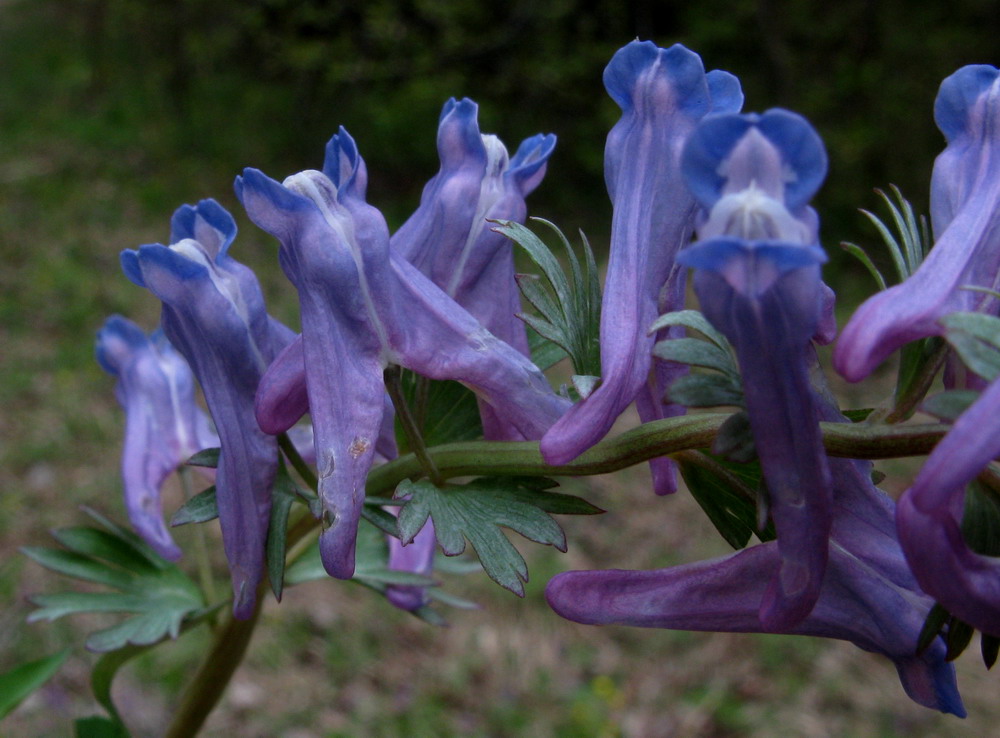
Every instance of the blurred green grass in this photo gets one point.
(99, 144)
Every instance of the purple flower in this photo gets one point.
(364, 307)
(929, 518)
(448, 239)
(417, 557)
(757, 276)
(663, 93)
(868, 596)
(214, 314)
(163, 425)
(965, 212)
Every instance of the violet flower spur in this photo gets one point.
(663, 93)
(929, 518)
(758, 281)
(214, 314)
(164, 426)
(364, 307)
(448, 237)
(965, 214)
(868, 596)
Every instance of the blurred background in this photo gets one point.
(114, 112)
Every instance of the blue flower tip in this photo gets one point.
(129, 260)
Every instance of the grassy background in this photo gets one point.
(113, 112)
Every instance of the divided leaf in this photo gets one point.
(976, 339)
(476, 511)
(568, 306)
(157, 594)
(727, 493)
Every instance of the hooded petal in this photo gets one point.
(163, 424)
(763, 297)
(663, 93)
(364, 307)
(449, 239)
(965, 208)
(929, 518)
(213, 312)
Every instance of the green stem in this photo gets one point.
(658, 438)
(415, 439)
(298, 463)
(906, 404)
(220, 663)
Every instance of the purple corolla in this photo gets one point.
(663, 93)
(449, 239)
(416, 557)
(965, 213)
(868, 595)
(929, 518)
(214, 314)
(757, 277)
(364, 307)
(163, 424)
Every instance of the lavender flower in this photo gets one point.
(758, 281)
(163, 425)
(663, 93)
(214, 314)
(363, 307)
(929, 519)
(868, 596)
(417, 557)
(448, 239)
(965, 213)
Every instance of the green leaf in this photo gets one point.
(706, 390)
(916, 359)
(79, 566)
(19, 682)
(734, 441)
(948, 405)
(157, 594)
(99, 544)
(568, 306)
(445, 411)
(199, 509)
(696, 352)
(859, 253)
(979, 357)
(476, 511)
(99, 727)
(957, 638)
(544, 353)
(103, 674)
(856, 415)
(694, 320)
(208, 457)
(726, 495)
(585, 384)
(981, 519)
(989, 646)
(976, 338)
(284, 494)
(933, 625)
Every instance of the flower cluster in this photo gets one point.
(695, 185)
